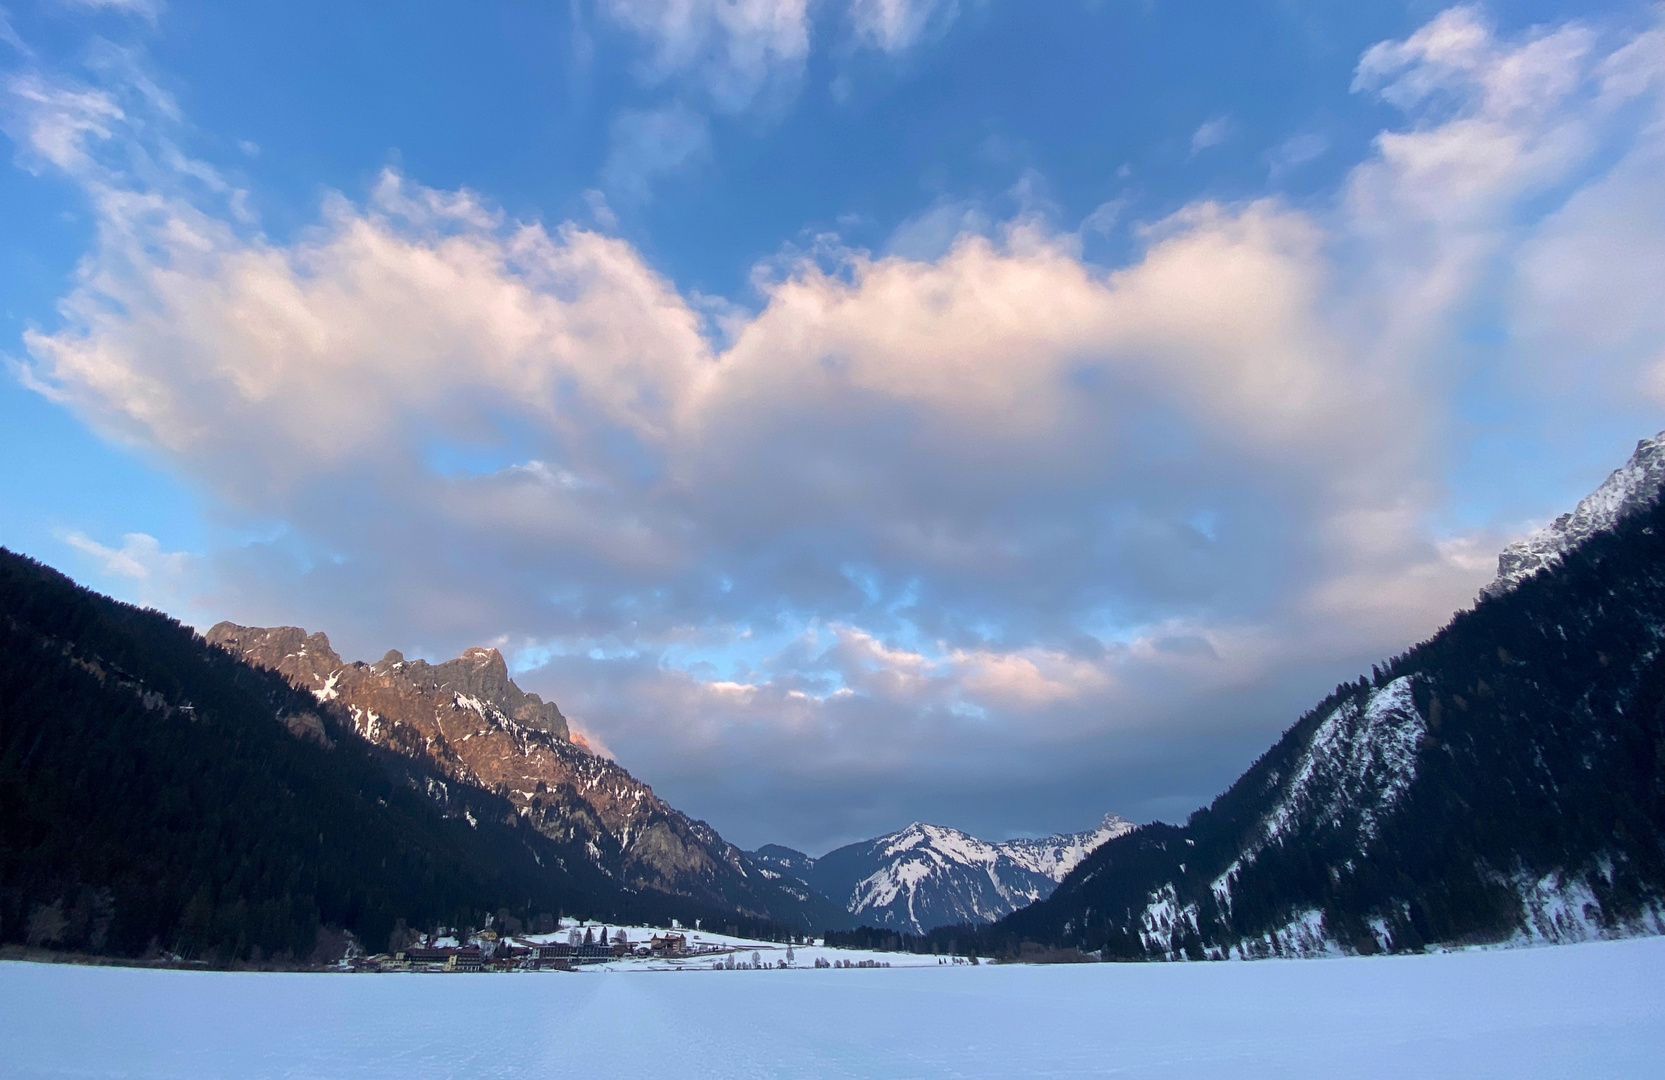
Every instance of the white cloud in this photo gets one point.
(1212, 133)
(653, 143)
(52, 123)
(1105, 217)
(601, 210)
(1029, 678)
(894, 26)
(974, 463)
(735, 50)
(1295, 151)
(930, 233)
(145, 572)
(737, 55)
(139, 558)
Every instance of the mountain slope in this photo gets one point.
(468, 720)
(158, 794)
(925, 876)
(1503, 780)
(1633, 486)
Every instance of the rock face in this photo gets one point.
(926, 876)
(471, 721)
(1633, 486)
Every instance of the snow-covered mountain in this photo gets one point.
(926, 876)
(1633, 486)
(1502, 781)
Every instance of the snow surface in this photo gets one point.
(715, 949)
(1566, 1011)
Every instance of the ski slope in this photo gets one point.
(1570, 1011)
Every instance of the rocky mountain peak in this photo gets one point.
(1633, 486)
(468, 718)
(480, 674)
(305, 658)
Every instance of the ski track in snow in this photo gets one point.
(1565, 1011)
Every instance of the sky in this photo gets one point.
(850, 412)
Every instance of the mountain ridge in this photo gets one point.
(1633, 486)
(472, 722)
(161, 798)
(923, 876)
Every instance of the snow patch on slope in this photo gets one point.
(1559, 909)
(1359, 762)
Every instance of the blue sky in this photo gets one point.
(849, 411)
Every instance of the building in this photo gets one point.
(668, 945)
(467, 958)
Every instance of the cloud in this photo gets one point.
(1296, 151)
(739, 55)
(733, 50)
(894, 26)
(969, 516)
(140, 556)
(932, 232)
(600, 209)
(144, 9)
(1592, 274)
(1105, 217)
(1212, 133)
(151, 576)
(52, 123)
(9, 35)
(650, 144)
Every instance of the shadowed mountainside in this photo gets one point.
(468, 720)
(158, 795)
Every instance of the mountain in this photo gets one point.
(926, 876)
(158, 795)
(1631, 487)
(467, 720)
(1503, 781)
(784, 860)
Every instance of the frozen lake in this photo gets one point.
(1572, 1011)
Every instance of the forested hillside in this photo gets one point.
(467, 723)
(159, 795)
(1505, 779)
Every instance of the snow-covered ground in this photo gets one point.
(708, 950)
(1569, 1011)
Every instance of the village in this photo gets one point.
(578, 945)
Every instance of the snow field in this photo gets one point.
(1595, 1009)
(769, 952)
